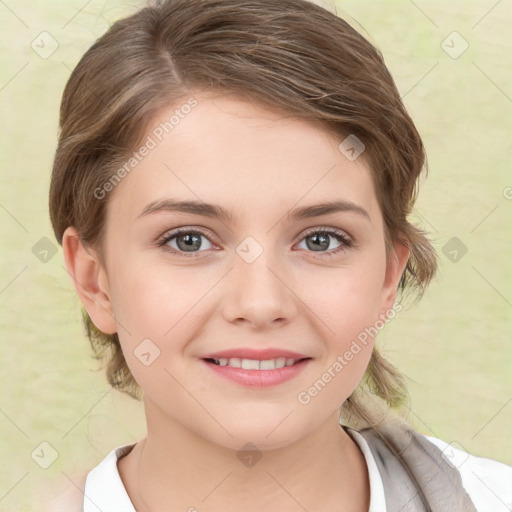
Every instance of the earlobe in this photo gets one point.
(394, 271)
(90, 281)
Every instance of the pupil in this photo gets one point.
(189, 242)
(324, 241)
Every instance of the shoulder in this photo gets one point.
(69, 498)
(487, 481)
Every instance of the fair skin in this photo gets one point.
(260, 165)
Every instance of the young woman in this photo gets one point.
(231, 191)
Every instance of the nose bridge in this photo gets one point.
(260, 292)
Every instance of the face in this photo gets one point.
(261, 277)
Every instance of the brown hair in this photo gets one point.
(293, 56)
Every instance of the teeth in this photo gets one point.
(255, 364)
(250, 364)
(270, 364)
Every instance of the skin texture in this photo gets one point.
(260, 165)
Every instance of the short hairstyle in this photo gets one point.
(291, 56)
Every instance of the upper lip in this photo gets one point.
(255, 353)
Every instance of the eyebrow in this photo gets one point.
(216, 211)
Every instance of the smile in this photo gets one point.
(257, 372)
(254, 364)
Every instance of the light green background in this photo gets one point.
(454, 346)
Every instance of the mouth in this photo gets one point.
(255, 364)
(257, 373)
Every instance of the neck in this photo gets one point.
(324, 470)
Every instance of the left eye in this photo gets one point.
(320, 239)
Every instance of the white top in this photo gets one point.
(488, 482)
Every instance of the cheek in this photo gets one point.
(152, 301)
(349, 300)
(347, 311)
(162, 305)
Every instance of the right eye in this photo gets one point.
(184, 241)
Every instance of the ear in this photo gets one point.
(394, 270)
(90, 281)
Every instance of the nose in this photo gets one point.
(259, 292)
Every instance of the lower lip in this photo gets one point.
(258, 378)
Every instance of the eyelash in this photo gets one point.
(340, 236)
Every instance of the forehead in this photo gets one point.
(244, 157)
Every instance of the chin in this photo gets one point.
(266, 435)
